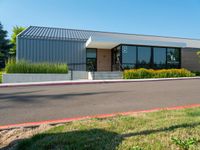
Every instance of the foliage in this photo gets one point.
(148, 131)
(198, 53)
(16, 30)
(150, 73)
(197, 73)
(0, 76)
(26, 67)
(4, 46)
(185, 144)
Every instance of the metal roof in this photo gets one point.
(56, 33)
(84, 35)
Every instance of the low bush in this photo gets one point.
(0, 77)
(26, 67)
(150, 73)
(197, 73)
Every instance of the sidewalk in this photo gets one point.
(77, 82)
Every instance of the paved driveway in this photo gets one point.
(38, 103)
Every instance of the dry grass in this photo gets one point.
(151, 131)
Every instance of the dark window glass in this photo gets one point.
(144, 57)
(91, 53)
(91, 60)
(129, 57)
(159, 57)
(116, 58)
(173, 57)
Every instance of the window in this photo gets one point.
(129, 57)
(91, 60)
(116, 58)
(144, 57)
(159, 57)
(173, 58)
(132, 56)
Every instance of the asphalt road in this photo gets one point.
(38, 103)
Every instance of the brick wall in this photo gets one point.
(103, 60)
(189, 59)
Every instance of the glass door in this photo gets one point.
(91, 59)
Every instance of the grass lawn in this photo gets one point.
(149, 131)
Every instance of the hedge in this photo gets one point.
(26, 67)
(150, 73)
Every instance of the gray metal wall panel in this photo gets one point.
(53, 51)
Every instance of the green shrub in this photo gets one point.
(26, 67)
(0, 77)
(197, 73)
(150, 73)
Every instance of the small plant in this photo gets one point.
(184, 144)
(136, 148)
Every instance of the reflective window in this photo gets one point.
(144, 57)
(129, 57)
(159, 57)
(116, 58)
(173, 57)
(91, 60)
(91, 53)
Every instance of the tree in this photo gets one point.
(198, 53)
(4, 46)
(16, 30)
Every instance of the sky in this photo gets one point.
(176, 18)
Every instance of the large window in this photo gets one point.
(91, 60)
(144, 57)
(173, 58)
(129, 57)
(159, 57)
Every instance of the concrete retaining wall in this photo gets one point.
(20, 78)
(75, 75)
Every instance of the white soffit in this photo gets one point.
(107, 41)
(104, 42)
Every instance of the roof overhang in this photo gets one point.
(103, 42)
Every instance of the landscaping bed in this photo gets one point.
(162, 130)
(26, 67)
(162, 73)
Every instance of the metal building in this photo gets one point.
(105, 51)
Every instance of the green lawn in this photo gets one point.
(149, 131)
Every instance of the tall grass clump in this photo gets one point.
(27, 67)
(150, 73)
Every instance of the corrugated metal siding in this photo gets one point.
(55, 51)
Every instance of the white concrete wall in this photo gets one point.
(75, 75)
(20, 78)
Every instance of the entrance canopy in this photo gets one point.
(108, 41)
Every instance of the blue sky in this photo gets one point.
(180, 18)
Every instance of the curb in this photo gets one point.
(53, 122)
(92, 82)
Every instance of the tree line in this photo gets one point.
(8, 46)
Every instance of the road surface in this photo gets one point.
(39, 103)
